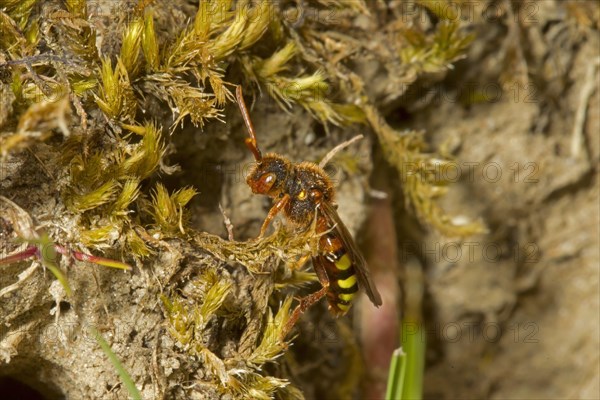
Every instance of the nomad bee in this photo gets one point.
(302, 191)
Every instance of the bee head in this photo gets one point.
(268, 175)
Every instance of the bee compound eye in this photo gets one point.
(267, 181)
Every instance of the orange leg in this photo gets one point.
(298, 264)
(307, 301)
(304, 305)
(277, 207)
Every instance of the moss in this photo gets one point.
(109, 175)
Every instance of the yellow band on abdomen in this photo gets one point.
(343, 263)
(347, 283)
(346, 296)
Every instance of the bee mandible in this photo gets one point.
(303, 191)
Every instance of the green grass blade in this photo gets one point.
(123, 374)
(405, 379)
(413, 342)
(396, 375)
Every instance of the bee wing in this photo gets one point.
(361, 268)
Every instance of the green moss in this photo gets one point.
(168, 210)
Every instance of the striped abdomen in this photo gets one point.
(337, 264)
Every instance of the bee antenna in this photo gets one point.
(251, 141)
(337, 149)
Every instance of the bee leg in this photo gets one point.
(296, 265)
(277, 207)
(307, 301)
